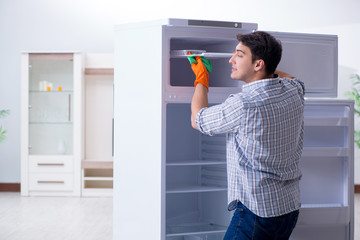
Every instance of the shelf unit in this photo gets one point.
(183, 173)
(97, 178)
(51, 124)
(97, 165)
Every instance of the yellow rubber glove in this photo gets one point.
(202, 75)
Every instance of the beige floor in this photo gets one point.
(43, 218)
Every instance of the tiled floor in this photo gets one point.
(43, 218)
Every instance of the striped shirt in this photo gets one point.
(264, 125)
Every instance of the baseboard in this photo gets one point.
(357, 188)
(15, 187)
(9, 187)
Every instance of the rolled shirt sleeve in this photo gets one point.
(221, 118)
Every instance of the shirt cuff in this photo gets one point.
(198, 120)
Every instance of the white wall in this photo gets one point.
(41, 25)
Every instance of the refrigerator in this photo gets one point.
(170, 180)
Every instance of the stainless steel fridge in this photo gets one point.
(170, 180)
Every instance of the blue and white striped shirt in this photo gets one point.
(264, 125)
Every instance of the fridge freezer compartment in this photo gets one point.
(181, 45)
(181, 74)
(217, 50)
(310, 57)
(187, 214)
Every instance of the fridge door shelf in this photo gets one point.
(194, 229)
(321, 205)
(322, 215)
(331, 121)
(326, 152)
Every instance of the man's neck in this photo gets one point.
(260, 76)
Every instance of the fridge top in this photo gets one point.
(191, 23)
(208, 23)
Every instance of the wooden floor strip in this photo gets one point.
(9, 187)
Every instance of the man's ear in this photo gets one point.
(259, 65)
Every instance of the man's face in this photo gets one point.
(241, 62)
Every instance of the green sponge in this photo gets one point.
(205, 61)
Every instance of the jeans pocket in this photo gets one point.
(235, 226)
(275, 228)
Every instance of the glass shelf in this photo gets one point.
(51, 92)
(191, 189)
(183, 54)
(194, 163)
(70, 122)
(193, 229)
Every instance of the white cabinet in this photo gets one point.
(173, 177)
(51, 123)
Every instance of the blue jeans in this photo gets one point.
(246, 225)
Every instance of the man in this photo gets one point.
(264, 126)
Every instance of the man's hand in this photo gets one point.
(283, 74)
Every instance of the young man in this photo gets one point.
(264, 126)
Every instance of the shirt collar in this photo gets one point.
(259, 83)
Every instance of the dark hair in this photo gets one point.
(263, 46)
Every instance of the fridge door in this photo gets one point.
(313, 58)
